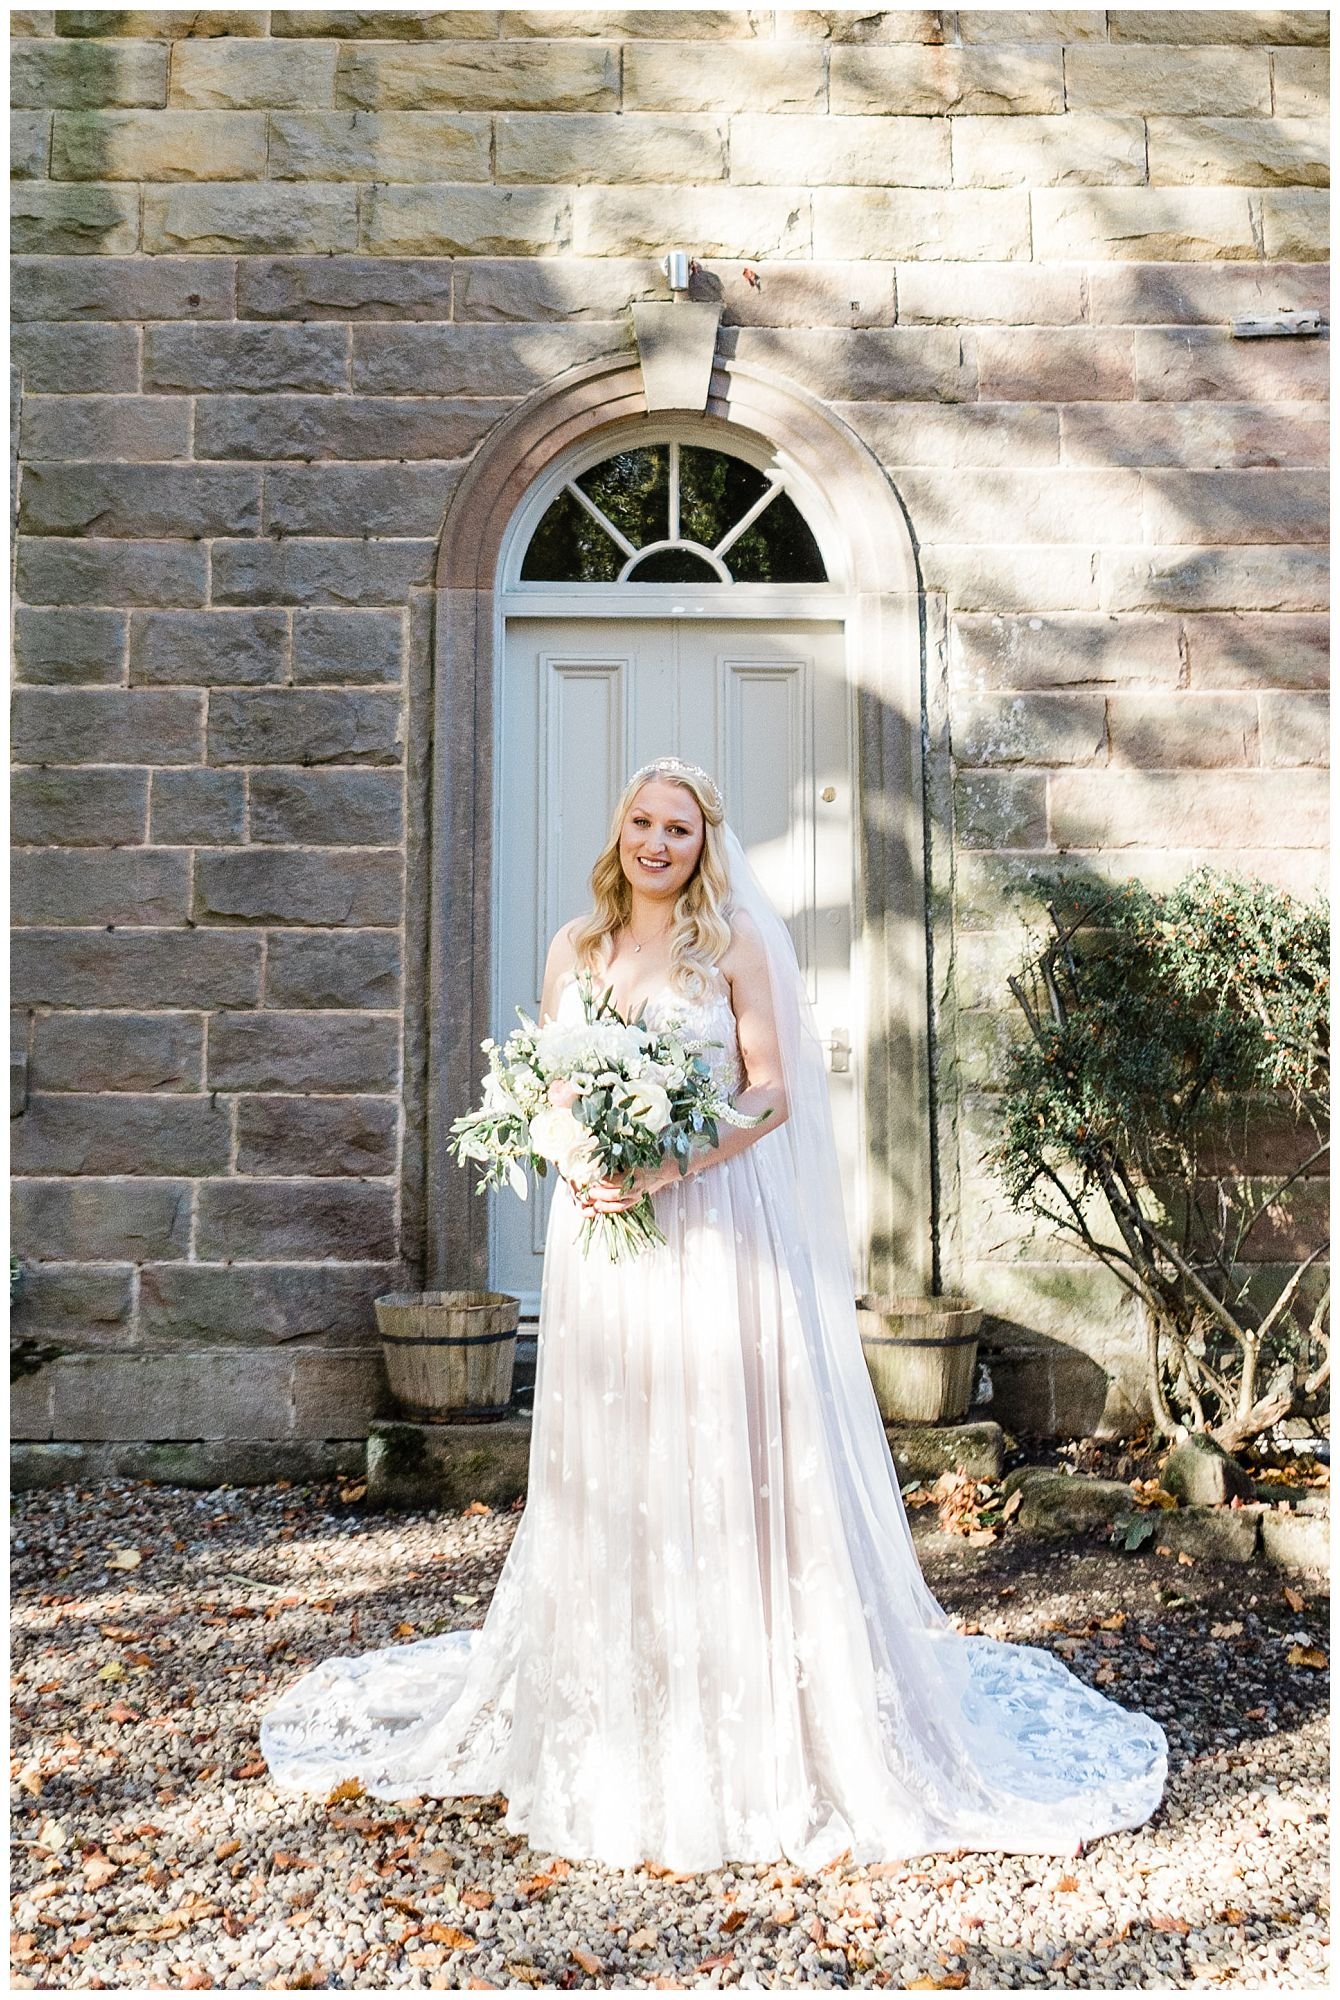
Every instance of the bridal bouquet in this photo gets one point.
(599, 1099)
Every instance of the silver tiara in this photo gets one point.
(675, 767)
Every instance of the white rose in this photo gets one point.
(646, 1104)
(556, 1135)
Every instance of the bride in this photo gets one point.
(711, 1640)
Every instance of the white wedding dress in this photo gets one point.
(711, 1640)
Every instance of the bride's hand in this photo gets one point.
(608, 1196)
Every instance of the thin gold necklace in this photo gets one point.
(636, 946)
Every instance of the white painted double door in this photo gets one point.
(763, 705)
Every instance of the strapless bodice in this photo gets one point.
(712, 1017)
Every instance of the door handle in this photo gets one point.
(838, 1045)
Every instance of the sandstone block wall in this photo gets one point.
(279, 272)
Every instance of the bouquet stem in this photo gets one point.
(626, 1233)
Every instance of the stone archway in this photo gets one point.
(452, 708)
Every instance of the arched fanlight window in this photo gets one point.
(673, 513)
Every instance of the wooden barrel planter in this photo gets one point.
(922, 1356)
(449, 1355)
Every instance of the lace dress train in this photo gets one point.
(711, 1639)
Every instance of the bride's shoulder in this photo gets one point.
(745, 950)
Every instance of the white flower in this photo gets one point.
(646, 1104)
(497, 1097)
(556, 1135)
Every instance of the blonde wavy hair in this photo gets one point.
(700, 931)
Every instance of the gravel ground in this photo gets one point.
(152, 1853)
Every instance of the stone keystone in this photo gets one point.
(676, 344)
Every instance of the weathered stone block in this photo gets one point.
(634, 146)
(222, 216)
(1208, 434)
(383, 499)
(100, 969)
(234, 75)
(350, 1221)
(121, 1133)
(693, 24)
(262, 1304)
(1165, 223)
(122, 288)
(907, 433)
(32, 20)
(161, 23)
(29, 145)
(482, 76)
(1172, 809)
(246, 885)
(1214, 1534)
(1198, 294)
(320, 572)
(1209, 82)
(1193, 579)
(57, 885)
(447, 1465)
(477, 360)
(463, 220)
(998, 809)
(978, 577)
(385, 24)
(846, 152)
(334, 808)
(1056, 1504)
(1058, 365)
(79, 808)
(1240, 649)
(525, 291)
(1000, 652)
(1302, 82)
(1027, 24)
(102, 1221)
(292, 727)
(105, 427)
(922, 82)
(158, 146)
(317, 1051)
(1295, 1541)
(1295, 729)
(734, 222)
(1201, 1473)
(1205, 361)
(347, 427)
(347, 648)
(61, 647)
(234, 358)
(1081, 148)
(901, 364)
(170, 1395)
(1046, 506)
(75, 1302)
(62, 75)
(1030, 729)
(29, 1416)
(139, 500)
(1248, 152)
(332, 969)
(1245, 26)
(924, 1451)
(988, 294)
(1297, 224)
(50, 217)
(207, 648)
(317, 1135)
(55, 357)
(338, 1395)
(344, 288)
(93, 1051)
(958, 224)
(105, 725)
(1228, 507)
(380, 146)
(197, 808)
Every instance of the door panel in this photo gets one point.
(766, 708)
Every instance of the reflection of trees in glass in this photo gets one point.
(693, 499)
(632, 489)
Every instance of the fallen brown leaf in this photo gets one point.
(1306, 1656)
(588, 1961)
(451, 1937)
(1295, 1600)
